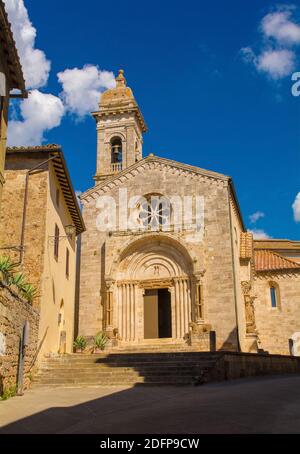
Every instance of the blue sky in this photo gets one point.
(209, 92)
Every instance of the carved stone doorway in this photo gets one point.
(157, 314)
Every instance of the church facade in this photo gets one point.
(166, 258)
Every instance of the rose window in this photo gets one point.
(154, 213)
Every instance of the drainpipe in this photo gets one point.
(25, 206)
(24, 341)
(234, 271)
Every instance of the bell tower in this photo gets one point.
(120, 128)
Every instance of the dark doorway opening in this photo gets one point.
(157, 314)
(164, 313)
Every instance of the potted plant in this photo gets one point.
(100, 341)
(80, 344)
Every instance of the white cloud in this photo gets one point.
(78, 194)
(82, 88)
(35, 65)
(278, 25)
(275, 57)
(256, 216)
(40, 112)
(259, 234)
(277, 63)
(296, 208)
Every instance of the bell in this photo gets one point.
(116, 149)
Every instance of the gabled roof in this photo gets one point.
(10, 52)
(153, 159)
(271, 261)
(63, 176)
(185, 168)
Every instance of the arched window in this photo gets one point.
(274, 295)
(116, 150)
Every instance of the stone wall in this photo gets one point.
(14, 312)
(276, 326)
(12, 211)
(239, 365)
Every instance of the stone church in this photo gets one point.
(166, 259)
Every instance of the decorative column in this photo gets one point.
(249, 308)
(200, 331)
(251, 332)
(108, 309)
(171, 290)
(127, 310)
(198, 298)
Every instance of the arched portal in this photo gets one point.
(153, 293)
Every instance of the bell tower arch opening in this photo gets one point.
(116, 153)
(120, 127)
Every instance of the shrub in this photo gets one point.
(80, 343)
(8, 392)
(100, 341)
(28, 291)
(17, 279)
(6, 266)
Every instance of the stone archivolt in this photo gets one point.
(143, 265)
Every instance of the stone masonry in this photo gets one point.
(14, 312)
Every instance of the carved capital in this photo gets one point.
(198, 276)
(109, 283)
(246, 287)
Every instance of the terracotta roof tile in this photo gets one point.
(271, 261)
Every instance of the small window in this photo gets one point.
(274, 299)
(67, 263)
(57, 197)
(56, 242)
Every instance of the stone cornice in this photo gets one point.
(153, 163)
(112, 111)
(260, 275)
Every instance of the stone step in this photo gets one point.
(173, 368)
(115, 364)
(108, 385)
(117, 380)
(101, 374)
(121, 366)
(132, 357)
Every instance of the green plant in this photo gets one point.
(28, 291)
(80, 343)
(10, 391)
(6, 265)
(100, 341)
(17, 279)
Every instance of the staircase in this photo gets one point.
(127, 368)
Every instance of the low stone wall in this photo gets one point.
(14, 312)
(239, 365)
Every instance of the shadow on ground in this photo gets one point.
(260, 405)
